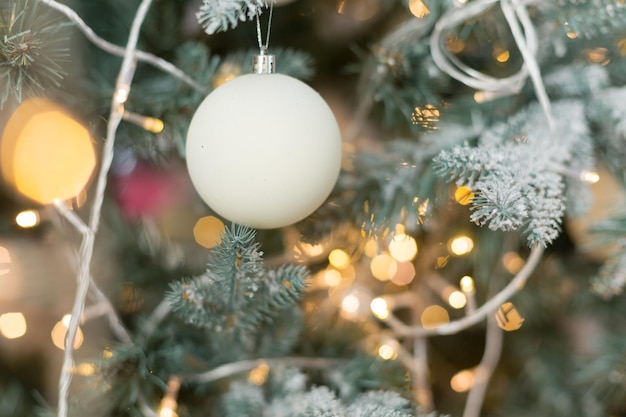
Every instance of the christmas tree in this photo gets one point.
(460, 250)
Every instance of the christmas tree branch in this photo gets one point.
(87, 245)
(113, 49)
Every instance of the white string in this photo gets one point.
(263, 47)
(515, 13)
(454, 67)
(87, 245)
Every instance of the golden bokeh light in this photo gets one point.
(462, 381)
(405, 273)
(45, 154)
(350, 304)
(13, 325)
(383, 267)
(5, 261)
(501, 55)
(208, 231)
(380, 308)
(508, 318)
(27, 219)
(167, 411)
(371, 248)
(457, 299)
(467, 284)
(403, 248)
(387, 351)
(433, 316)
(332, 277)
(513, 262)
(460, 245)
(85, 369)
(59, 331)
(426, 116)
(418, 8)
(311, 250)
(339, 259)
(590, 177)
(463, 195)
(258, 375)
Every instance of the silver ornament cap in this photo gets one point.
(264, 63)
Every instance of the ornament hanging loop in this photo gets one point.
(264, 63)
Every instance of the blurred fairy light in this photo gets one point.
(59, 331)
(501, 55)
(457, 299)
(5, 261)
(258, 375)
(405, 273)
(418, 8)
(150, 124)
(455, 44)
(383, 267)
(426, 117)
(226, 72)
(589, 177)
(403, 248)
(339, 259)
(387, 351)
(467, 284)
(350, 304)
(208, 231)
(371, 248)
(460, 245)
(598, 56)
(45, 154)
(360, 10)
(331, 277)
(508, 318)
(572, 34)
(121, 94)
(310, 250)
(85, 369)
(13, 325)
(433, 316)
(463, 195)
(27, 219)
(513, 262)
(107, 353)
(355, 305)
(462, 381)
(169, 403)
(380, 308)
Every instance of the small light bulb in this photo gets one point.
(339, 259)
(460, 245)
(27, 219)
(467, 283)
(590, 177)
(463, 195)
(457, 299)
(379, 308)
(387, 351)
(418, 8)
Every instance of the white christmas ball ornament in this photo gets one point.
(264, 150)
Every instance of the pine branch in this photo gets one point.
(236, 294)
(221, 15)
(516, 173)
(587, 18)
(33, 50)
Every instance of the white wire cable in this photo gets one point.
(454, 67)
